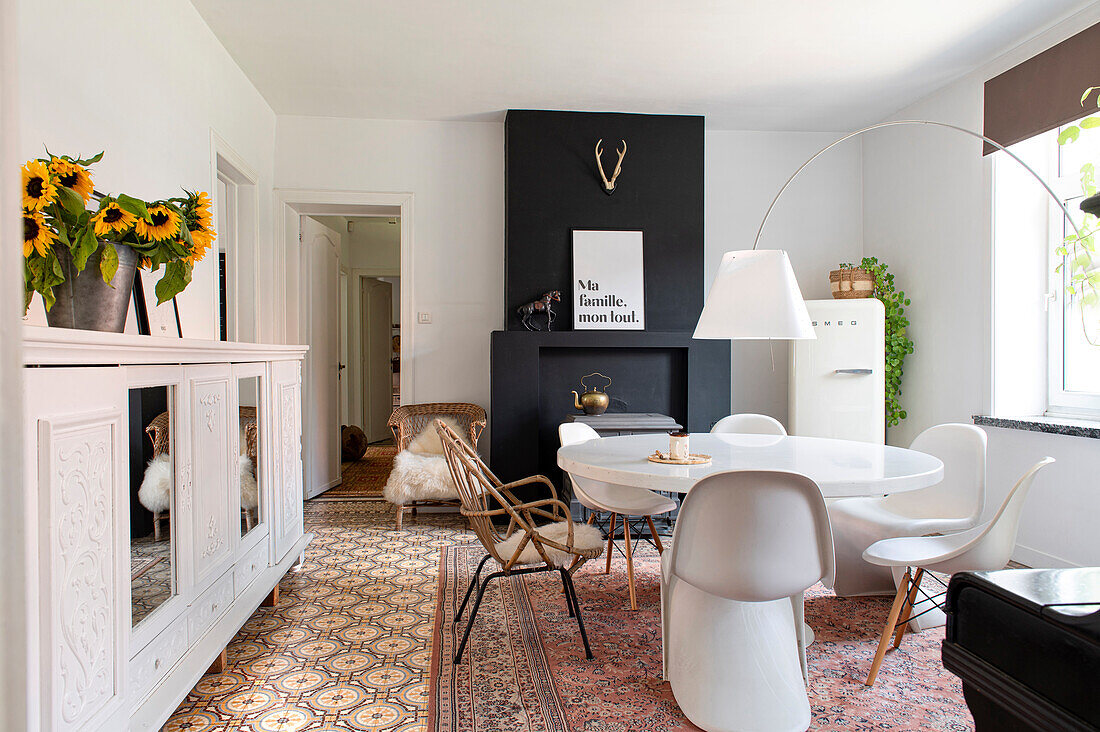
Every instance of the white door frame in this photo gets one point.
(356, 283)
(244, 324)
(292, 318)
(293, 202)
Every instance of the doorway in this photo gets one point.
(352, 371)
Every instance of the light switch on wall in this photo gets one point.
(424, 317)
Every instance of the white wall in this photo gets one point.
(928, 213)
(456, 172)
(375, 244)
(146, 81)
(818, 221)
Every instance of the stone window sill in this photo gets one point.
(1067, 426)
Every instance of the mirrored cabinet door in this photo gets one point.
(249, 446)
(152, 498)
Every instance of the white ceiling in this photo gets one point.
(745, 64)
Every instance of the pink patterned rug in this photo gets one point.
(524, 666)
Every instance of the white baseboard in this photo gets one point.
(1034, 558)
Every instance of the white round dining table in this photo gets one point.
(841, 468)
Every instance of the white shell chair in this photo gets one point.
(983, 548)
(955, 504)
(620, 501)
(749, 424)
(747, 543)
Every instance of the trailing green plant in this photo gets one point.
(1078, 250)
(898, 343)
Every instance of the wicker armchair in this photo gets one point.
(524, 547)
(158, 431)
(159, 434)
(409, 420)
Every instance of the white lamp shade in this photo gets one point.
(755, 295)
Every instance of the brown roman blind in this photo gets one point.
(1044, 91)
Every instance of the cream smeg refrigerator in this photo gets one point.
(838, 380)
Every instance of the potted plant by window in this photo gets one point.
(83, 262)
(898, 343)
(1077, 258)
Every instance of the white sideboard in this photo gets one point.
(127, 624)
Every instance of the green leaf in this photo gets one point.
(1089, 122)
(133, 205)
(177, 276)
(70, 200)
(1088, 91)
(90, 161)
(108, 262)
(85, 246)
(1070, 134)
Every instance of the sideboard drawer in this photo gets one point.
(209, 607)
(152, 663)
(248, 568)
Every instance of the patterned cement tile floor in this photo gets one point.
(348, 648)
(150, 575)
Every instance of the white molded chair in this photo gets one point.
(953, 505)
(620, 501)
(983, 548)
(747, 544)
(749, 424)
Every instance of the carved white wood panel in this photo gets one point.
(287, 508)
(214, 534)
(84, 576)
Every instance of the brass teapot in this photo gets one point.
(594, 401)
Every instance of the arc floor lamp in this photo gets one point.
(755, 294)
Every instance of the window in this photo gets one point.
(1073, 316)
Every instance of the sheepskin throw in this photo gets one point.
(156, 487)
(586, 539)
(417, 477)
(428, 442)
(250, 493)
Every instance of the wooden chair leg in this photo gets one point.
(656, 536)
(629, 565)
(888, 629)
(156, 526)
(907, 610)
(591, 518)
(400, 513)
(610, 544)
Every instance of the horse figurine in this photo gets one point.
(542, 305)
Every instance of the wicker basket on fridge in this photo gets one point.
(851, 283)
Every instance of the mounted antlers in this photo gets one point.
(609, 185)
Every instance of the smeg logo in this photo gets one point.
(835, 323)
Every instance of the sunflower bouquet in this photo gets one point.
(175, 232)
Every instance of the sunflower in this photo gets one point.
(38, 190)
(36, 235)
(111, 219)
(201, 240)
(200, 203)
(72, 176)
(165, 224)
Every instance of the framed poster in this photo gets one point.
(608, 280)
(158, 320)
